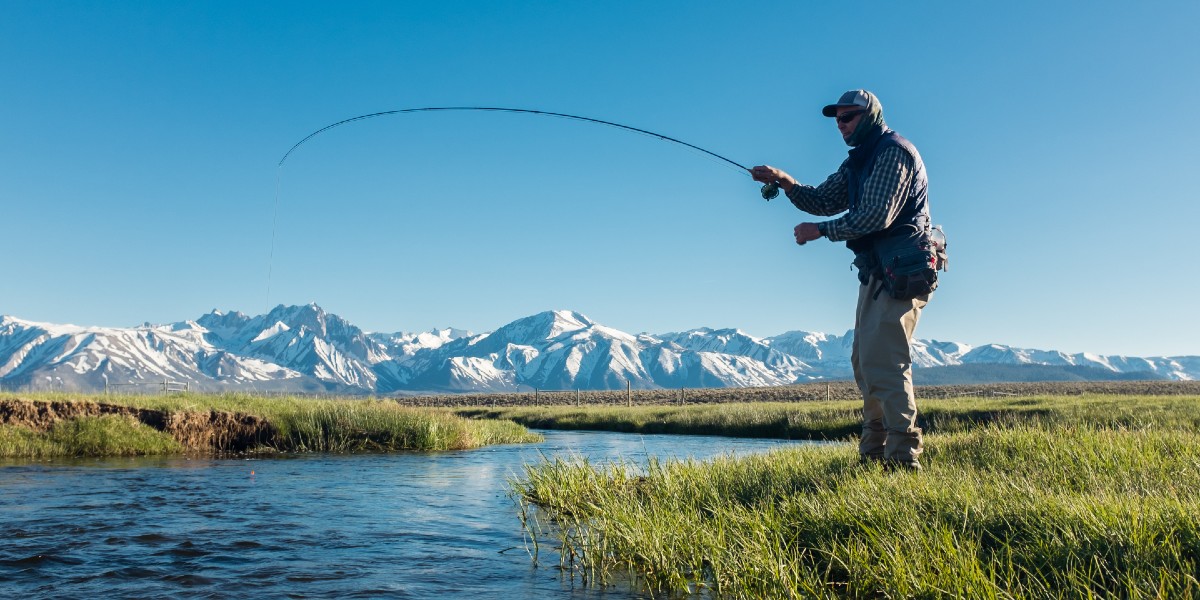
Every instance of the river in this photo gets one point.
(406, 525)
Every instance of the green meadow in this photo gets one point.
(840, 419)
(1039, 497)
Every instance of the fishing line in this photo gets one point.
(508, 110)
(274, 220)
(768, 191)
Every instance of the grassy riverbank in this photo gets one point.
(45, 425)
(831, 420)
(1046, 497)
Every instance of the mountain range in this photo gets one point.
(304, 349)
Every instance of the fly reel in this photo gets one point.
(769, 191)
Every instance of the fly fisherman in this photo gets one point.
(882, 186)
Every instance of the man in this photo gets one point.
(882, 186)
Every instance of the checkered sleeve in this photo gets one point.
(829, 198)
(883, 196)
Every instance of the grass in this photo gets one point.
(1045, 497)
(104, 435)
(376, 426)
(832, 420)
(298, 425)
(761, 419)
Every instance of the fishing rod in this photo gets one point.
(769, 190)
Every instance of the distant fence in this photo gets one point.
(834, 390)
(136, 387)
(806, 392)
(165, 386)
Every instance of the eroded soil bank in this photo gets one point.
(210, 431)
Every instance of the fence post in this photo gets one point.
(628, 393)
(535, 396)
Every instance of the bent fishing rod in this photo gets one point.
(768, 191)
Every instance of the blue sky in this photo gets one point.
(139, 142)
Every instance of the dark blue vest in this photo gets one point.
(862, 164)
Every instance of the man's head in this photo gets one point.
(858, 114)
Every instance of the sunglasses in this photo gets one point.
(846, 117)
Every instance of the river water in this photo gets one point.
(435, 525)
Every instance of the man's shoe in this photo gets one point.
(911, 466)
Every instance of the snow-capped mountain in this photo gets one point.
(305, 349)
(305, 338)
(87, 358)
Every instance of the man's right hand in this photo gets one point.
(768, 174)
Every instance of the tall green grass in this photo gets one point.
(1047, 497)
(999, 512)
(105, 435)
(378, 426)
(300, 424)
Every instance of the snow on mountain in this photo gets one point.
(305, 338)
(1005, 355)
(1182, 368)
(70, 357)
(535, 329)
(830, 350)
(673, 366)
(726, 341)
(404, 345)
(932, 353)
(305, 349)
(588, 357)
(551, 350)
(713, 346)
(270, 332)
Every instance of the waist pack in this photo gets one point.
(905, 263)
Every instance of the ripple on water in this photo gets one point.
(377, 526)
(151, 539)
(271, 572)
(38, 560)
(188, 579)
(185, 550)
(133, 573)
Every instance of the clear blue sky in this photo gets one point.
(138, 144)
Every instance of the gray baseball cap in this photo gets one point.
(859, 98)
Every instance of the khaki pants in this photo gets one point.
(883, 332)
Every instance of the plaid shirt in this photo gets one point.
(883, 196)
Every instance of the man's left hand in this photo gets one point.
(807, 232)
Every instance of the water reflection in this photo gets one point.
(395, 526)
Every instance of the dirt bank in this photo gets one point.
(210, 431)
